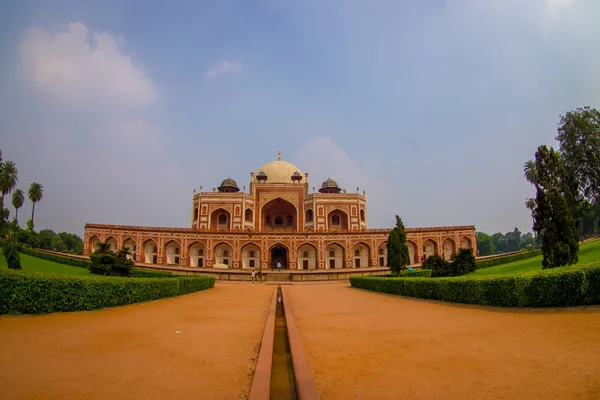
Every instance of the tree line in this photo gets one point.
(504, 243)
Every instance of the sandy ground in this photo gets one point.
(365, 345)
(135, 352)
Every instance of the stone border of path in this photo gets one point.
(261, 383)
(306, 387)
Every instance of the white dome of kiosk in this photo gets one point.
(279, 171)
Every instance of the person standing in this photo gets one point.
(253, 276)
(278, 266)
(259, 274)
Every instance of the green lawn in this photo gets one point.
(589, 252)
(35, 264)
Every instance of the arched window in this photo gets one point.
(309, 215)
(362, 215)
(380, 252)
(195, 213)
(251, 253)
(249, 215)
(201, 252)
(332, 253)
(279, 220)
(225, 253)
(222, 219)
(357, 253)
(335, 220)
(305, 254)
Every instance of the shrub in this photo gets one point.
(23, 292)
(567, 286)
(11, 252)
(438, 266)
(463, 262)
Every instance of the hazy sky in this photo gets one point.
(121, 108)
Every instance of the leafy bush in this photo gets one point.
(438, 266)
(418, 273)
(142, 273)
(507, 259)
(11, 252)
(463, 262)
(567, 286)
(23, 292)
(110, 264)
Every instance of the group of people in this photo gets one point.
(257, 275)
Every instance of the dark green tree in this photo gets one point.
(485, 245)
(18, 198)
(36, 192)
(553, 217)
(530, 204)
(397, 250)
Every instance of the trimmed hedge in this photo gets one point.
(23, 292)
(507, 259)
(566, 286)
(419, 273)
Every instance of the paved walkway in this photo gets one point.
(365, 345)
(137, 352)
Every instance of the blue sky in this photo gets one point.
(121, 108)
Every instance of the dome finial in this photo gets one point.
(279, 155)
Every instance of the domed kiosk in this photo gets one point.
(277, 219)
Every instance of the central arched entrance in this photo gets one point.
(279, 254)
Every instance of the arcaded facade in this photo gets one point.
(279, 219)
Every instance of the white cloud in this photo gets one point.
(72, 67)
(555, 6)
(224, 67)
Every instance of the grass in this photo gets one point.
(589, 252)
(34, 264)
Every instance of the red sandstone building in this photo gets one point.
(279, 220)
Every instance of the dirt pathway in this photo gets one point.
(137, 352)
(365, 345)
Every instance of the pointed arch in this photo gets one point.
(112, 242)
(150, 250)
(223, 255)
(448, 249)
(430, 247)
(220, 220)
(412, 251)
(250, 255)
(307, 256)
(172, 252)
(334, 256)
(361, 254)
(337, 219)
(93, 242)
(279, 214)
(197, 254)
(466, 243)
(129, 244)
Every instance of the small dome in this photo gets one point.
(330, 186)
(261, 173)
(329, 183)
(296, 173)
(229, 185)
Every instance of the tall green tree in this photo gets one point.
(530, 204)
(397, 250)
(554, 221)
(36, 192)
(484, 244)
(579, 144)
(18, 198)
(8, 178)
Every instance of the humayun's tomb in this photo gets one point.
(279, 220)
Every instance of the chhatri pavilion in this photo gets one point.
(278, 220)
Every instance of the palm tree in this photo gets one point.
(104, 248)
(8, 178)
(531, 204)
(36, 191)
(530, 172)
(18, 198)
